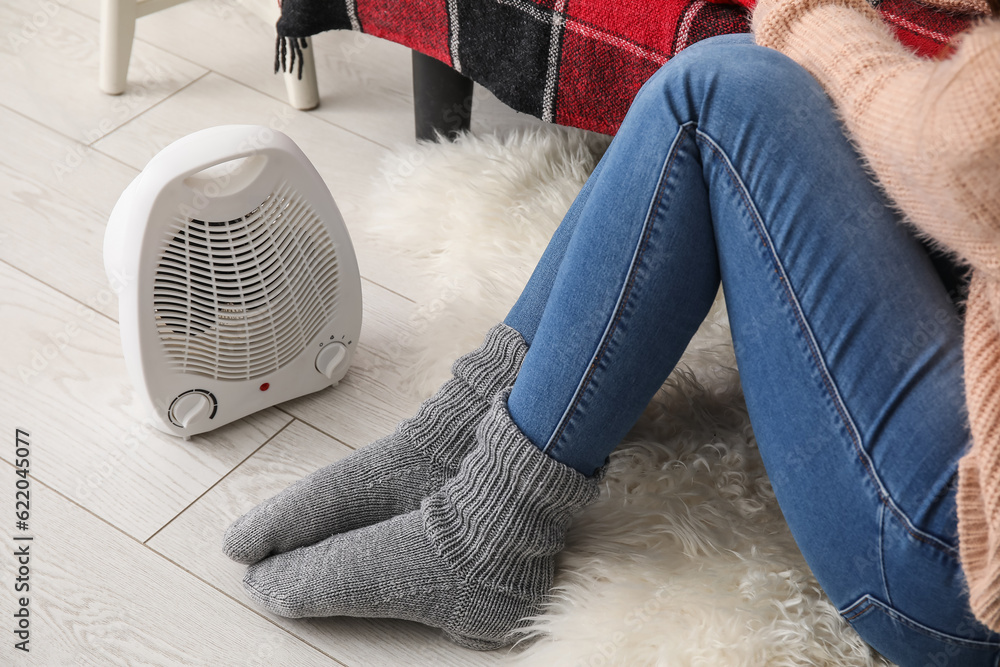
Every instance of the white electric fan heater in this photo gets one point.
(237, 281)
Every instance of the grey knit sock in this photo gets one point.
(475, 559)
(389, 476)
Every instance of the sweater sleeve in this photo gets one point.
(928, 129)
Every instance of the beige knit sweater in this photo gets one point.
(930, 131)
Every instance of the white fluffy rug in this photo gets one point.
(685, 559)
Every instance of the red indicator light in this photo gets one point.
(265, 386)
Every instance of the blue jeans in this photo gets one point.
(731, 166)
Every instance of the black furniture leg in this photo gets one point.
(442, 99)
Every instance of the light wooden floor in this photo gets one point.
(126, 567)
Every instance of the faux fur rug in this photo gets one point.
(685, 559)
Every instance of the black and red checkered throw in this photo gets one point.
(576, 63)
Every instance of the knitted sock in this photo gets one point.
(389, 476)
(475, 559)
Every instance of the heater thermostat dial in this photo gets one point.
(331, 360)
(192, 407)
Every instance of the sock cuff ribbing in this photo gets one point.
(445, 423)
(494, 364)
(508, 498)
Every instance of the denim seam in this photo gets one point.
(625, 293)
(881, 552)
(868, 603)
(857, 609)
(817, 356)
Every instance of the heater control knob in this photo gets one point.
(331, 360)
(190, 408)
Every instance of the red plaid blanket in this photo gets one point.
(574, 63)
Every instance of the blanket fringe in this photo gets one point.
(286, 51)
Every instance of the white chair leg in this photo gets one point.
(117, 30)
(303, 93)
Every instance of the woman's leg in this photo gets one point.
(732, 165)
(527, 312)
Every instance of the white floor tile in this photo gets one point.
(56, 195)
(99, 598)
(48, 72)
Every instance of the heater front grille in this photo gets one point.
(238, 299)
